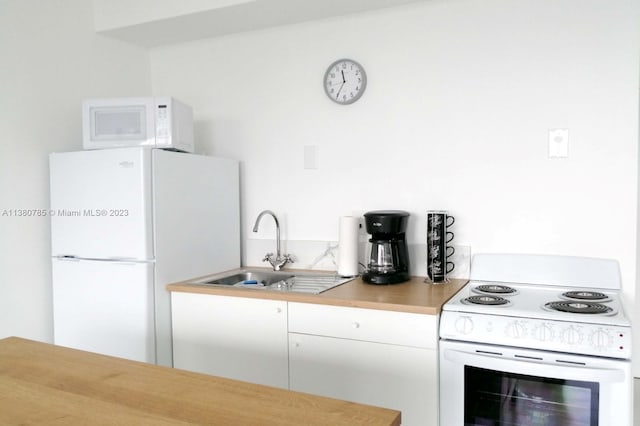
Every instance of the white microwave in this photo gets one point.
(156, 122)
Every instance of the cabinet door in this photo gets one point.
(234, 337)
(398, 377)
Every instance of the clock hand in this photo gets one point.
(343, 80)
(338, 94)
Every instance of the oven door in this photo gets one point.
(496, 385)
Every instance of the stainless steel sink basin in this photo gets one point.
(245, 278)
(304, 282)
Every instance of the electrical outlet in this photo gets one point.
(558, 143)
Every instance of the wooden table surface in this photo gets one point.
(46, 384)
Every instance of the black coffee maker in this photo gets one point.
(389, 257)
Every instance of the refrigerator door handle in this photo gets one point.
(126, 259)
(115, 259)
(67, 257)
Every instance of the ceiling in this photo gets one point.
(224, 18)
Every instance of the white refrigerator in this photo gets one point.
(125, 223)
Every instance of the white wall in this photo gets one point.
(51, 59)
(456, 115)
(460, 100)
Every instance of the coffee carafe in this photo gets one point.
(389, 258)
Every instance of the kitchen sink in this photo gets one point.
(301, 282)
(245, 278)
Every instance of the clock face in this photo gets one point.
(345, 81)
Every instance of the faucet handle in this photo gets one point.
(279, 262)
(268, 257)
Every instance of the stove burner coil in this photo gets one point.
(495, 289)
(486, 300)
(585, 295)
(578, 307)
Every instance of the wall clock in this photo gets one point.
(345, 81)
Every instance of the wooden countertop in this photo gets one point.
(414, 296)
(46, 384)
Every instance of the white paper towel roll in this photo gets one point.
(348, 246)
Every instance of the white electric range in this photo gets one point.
(536, 340)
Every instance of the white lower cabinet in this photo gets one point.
(234, 337)
(382, 358)
(375, 357)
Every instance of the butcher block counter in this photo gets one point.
(46, 384)
(414, 296)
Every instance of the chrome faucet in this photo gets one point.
(279, 260)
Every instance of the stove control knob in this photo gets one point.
(572, 335)
(601, 339)
(543, 332)
(464, 325)
(515, 330)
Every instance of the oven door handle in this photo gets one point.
(532, 367)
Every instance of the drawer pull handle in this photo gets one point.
(356, 324)
(278, 310)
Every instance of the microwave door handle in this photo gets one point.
(587, 374)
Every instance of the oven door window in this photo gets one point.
(493, 398)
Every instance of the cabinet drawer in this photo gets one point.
(397, 328)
